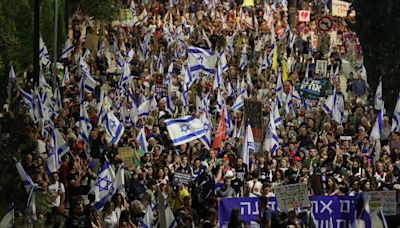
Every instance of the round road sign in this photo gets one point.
(325, 23)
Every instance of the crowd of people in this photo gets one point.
(332, 158)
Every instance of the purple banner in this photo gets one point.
(328, 210)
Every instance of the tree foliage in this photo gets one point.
(103, 10)
(378, 29)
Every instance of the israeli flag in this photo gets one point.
(28, 101)
(104, 187)
(67, 50)
(334, 105)
(220, 101)
(166, 217)
(141, 137)
(279, 88)
(65, 78)
(230, 90)
(277, 116)
(137, 21)
(89, 84)
(223, 61)
(126, 75)
(271, 143)
(148, 218)
(114, 128)
(11, 74)
(119, 182)
(42, 81)
(218, 79)
(144, 108)
(379, 96)
(249, 146)
(207, 125)
(85, 125)
(185, 129)
(396, 116)
(239, 102)
(8, 218)
(364, 220)
(201, 60)
(125, 115)
(30, 186)
(170, 103)
(119, 60)
(205, 37)
(169, 73)
(377, 129)
(44, 54)
(58, 147)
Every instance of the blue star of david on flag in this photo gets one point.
(112, 123)
(200, 58)
(103, 184)
(206, 127)
(185, 128)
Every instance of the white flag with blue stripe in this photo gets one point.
(141, 137)
(44, 54)
(271, 143)
(104, 187)
(279, 89)
(85, 125)
(160, 63)
(379, 96)
(144, 108)
(334, 105)
(58, 148)
(396, 116)
(243, 58)
(30, 186)
(239, 102)
(126, 75)
(201, 60)
(67, 50)
(206, 139)
(114, 128)
(377, 129)
(185, 129)
(249, 146)
(223, 61)
(119, 182)
(378, 219)
(26, 179)
(65, 78)
(218, 79)
(277, 116)
(148, 218)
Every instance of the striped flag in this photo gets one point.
(396, 116)
(201, 60)
(44, 54)
(206, 139)
(271, 143)
(11, 74)
(249, 146)
(85, 125)
(67, 50)
(141, 137)
(185, 129)
(103, 188)
(58, 147)
(8, 218)
(377, 129)
(218, 79)
(378, 96)
(65, 78)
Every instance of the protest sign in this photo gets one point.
(329, 211)
(182, 178)
(304, 15)
(125, 153)
(384, 199)
(292, 196)
(340, 8)
(313, 88)
(321, 68)
(253, 114)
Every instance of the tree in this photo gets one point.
(104, 10)
(378, 29)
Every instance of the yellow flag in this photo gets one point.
(249, 3)
(275, 57)
(284, 71)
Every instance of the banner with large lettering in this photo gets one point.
(314, 88)
(327, 210)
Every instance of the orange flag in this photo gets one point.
(220, 135)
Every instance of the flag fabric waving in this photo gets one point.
(201, 60)
(185, 129)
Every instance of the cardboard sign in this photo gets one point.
(182, 178)
(292, 196)
(321, 68)
(253, 114)
(304, 15)
(340, 8)
(384, 199)
(125, 153)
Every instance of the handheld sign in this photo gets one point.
(325, 24)
(304, 15)
(292, 196)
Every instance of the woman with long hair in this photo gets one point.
(235, 221)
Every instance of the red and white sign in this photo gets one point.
(304, 15)
(325, 24)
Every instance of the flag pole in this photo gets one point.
(55, 44)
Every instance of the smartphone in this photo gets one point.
(323, 178)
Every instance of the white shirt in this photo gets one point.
(110, 221)
(55, 189)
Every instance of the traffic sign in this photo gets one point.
(325, 23)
